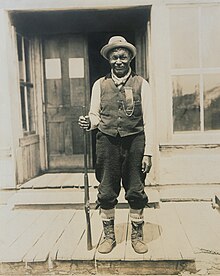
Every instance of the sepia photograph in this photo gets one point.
(110, 137)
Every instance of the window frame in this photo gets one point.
(202, 135)
(27, 85)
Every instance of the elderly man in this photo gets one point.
(121, 109)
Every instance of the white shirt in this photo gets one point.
(147, 108)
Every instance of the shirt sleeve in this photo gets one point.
(94, 112)
(147, 107)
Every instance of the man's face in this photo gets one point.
(119, 60)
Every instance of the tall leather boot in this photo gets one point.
(137, 237)
(109, 242)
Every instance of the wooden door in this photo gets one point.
(66, 92)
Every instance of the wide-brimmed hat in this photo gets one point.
(117, 42)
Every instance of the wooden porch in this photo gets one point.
(43, 232)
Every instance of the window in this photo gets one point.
(195, 67)
(26, 85)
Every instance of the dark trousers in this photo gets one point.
(119, 161)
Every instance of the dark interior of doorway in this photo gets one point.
(99, 67)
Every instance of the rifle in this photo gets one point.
(86, 190)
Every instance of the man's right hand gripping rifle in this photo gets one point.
(84, 122)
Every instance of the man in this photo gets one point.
(121, 109)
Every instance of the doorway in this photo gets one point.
(66, 98)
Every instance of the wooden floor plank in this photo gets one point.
(81, 252)
(152, 234)
(40, 181)
(57, 245)
(93, 181)
(7, 215)
(168, 234)
(58, 180)
(118, 253)
(197, 226)
(53, 180)
(73, 179)
(212, 216)
(72, 236)
(50, 181)
(17, 250)
(15, 227)
(176, 231)
(41, 249)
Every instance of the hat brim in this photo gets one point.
(107, 48)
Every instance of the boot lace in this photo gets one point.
(137, 232)
(109, 231)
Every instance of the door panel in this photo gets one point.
(66, 89)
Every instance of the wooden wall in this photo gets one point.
(30, 155)
(28, 158)
(189, 164)
(8, 123)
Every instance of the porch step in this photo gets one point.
(69, 198)
(59, 180)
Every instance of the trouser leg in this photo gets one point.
(108, 170)
(132, 175)
(109, 176)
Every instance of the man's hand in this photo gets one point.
(146, 163)
(84, 122)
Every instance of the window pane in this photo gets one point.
(27, 60)
(184, 37)
(211, 36)
(23, 108)
(212, 101)
(186, 104)
(31, 113)
(20, 57)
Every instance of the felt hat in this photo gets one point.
(117, 42)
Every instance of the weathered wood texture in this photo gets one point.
(60, 180)
(65, 98)
(59, 236)
(10, 123)
(34, 235)
(201, 224)
(65, 191)
(28, 158)
(38, 76)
